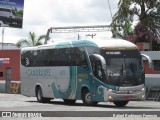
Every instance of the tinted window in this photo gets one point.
(5, 10)
(1, 74)
(55, 57)
(93, 50)
(156, 64)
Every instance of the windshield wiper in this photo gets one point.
(121, 71)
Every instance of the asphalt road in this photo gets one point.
(22, 107)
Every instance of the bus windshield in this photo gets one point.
(124, 68)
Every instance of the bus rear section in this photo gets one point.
(54, 73)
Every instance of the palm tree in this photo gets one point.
(31, 41)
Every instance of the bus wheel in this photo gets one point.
(86, 98)
(47, 100)
(67, 101)
(121, 103)
(39, 95)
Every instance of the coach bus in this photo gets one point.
(7, 13)
(89, 70)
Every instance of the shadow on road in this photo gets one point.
(99, 105)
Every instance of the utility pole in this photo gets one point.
(79, 37)
(3, 25)
(92, 35)
(3, 36)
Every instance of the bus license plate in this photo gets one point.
(127, 98)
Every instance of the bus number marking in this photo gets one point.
(113, 53)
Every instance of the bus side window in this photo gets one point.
(83, 61)
(80, 57)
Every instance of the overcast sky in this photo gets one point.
(39, 15)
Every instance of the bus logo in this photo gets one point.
(27, 61)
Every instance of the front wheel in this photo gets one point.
(86, 98)
(121, 103)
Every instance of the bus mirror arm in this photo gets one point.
(47, 35)
(149, 60)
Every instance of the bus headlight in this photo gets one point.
(110, 90)
(143, 96)
(110, 97)
(143, 89)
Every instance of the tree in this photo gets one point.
(31, 41)
(148, 14)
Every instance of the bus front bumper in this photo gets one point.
(124, 95)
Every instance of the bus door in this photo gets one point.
(98, 75)
(97, 69)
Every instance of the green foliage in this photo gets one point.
(19, 13)
(148, 12)
(31, 41)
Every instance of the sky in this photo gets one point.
(40, 15)
(11, 3)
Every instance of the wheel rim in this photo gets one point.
(88, 97)
(39, 95)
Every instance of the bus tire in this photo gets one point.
(67, 101)
(47, 100)
(121, 103)
(86, 98)
(39, 95)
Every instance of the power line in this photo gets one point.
(110, 10)
(71, 29)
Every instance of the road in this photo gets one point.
(19, 105)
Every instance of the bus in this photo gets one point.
(7, 13)
(89, 70)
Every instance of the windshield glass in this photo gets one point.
(124, 68)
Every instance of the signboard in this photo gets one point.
(11, 13)
(4, 61)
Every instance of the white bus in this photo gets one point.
(89, 70)
(7, 13)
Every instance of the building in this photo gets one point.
(8, 46)
(152, 75)
(9, 65)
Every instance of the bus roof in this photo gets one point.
(108, 44)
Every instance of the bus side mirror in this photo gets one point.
(149, 60)
(102, 60)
